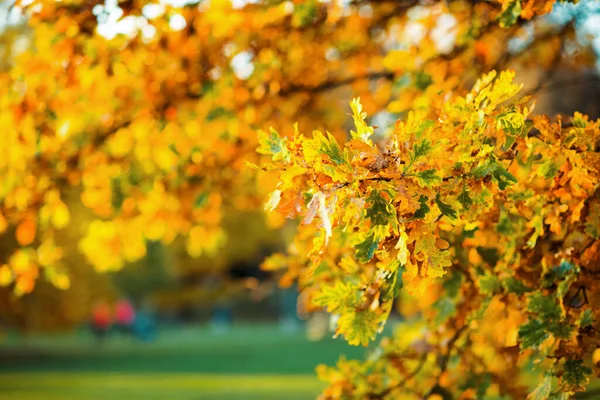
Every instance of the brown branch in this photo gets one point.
(336, 84)
(381, 395)
(388, 75)
(446, 359)
(465, 273)
(563, 84)
(550, 34)
(550, 72)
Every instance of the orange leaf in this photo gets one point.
(3, 223)
(26, 232)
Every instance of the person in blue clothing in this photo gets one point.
(144, 327)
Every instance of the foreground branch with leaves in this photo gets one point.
(479, 219)
(487, 218)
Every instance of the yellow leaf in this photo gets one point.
(121, 143)
(62, 281)
(6, 276)
(399, 60)
(274, 200)
(155, 229)
(21, 261)
(60, 216)
(402, 249)
(48, 253)
(287, 177)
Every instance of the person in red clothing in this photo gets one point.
(125, 316)
(101, 320)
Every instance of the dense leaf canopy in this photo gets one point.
(478, 216)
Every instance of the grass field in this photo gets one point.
(249, 363)
(96, 386)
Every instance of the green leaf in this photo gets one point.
(358, 327)
(480, 382)
(201, 200)
(503, 177)
(489, 284)
(304, 14)
(471, 233)
(513, 285)
(337, 297)
(484, 385)
(218, 112)
(422, 80)
(512, 122)
(366, 249)
(393, 282)
(548, 169)
(452, 284)
(484, 169)
(420, 149)
(542, 390)
(560, 329)
(532, 334)
(550, 313)
(379, 210)
(511, 14)
(273, 144)
(545, 306)
(489, 254)
(576, 374)
(505, 224)
(446, 209)
(586, 318)
(427, 178)
(464, 199)
(331, 148)
(423, 209)
(527, 126)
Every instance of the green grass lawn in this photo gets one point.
(131, 386)
(248, 363)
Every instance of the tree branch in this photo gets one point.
(335, 84)
(446, 358)
(381, 395)
(563, 84)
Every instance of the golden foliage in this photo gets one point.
(470, 210)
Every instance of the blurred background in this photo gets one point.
(217, 326)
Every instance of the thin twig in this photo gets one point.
(390, 389)
(446, 358)
(335, 84)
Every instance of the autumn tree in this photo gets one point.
(479, 216)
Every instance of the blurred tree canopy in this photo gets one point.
(133, 122)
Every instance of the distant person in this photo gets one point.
(288, 319)
(144, 327)
(222, 316)
(101, 320)
(125, 316)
